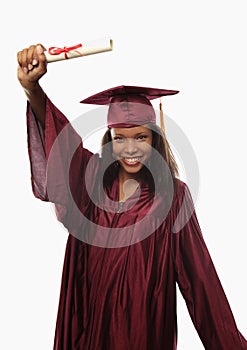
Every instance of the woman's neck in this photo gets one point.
(128, 183)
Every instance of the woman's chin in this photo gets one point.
(131, 168)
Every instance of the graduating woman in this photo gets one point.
(133, 230)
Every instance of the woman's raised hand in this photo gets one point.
(32, 65)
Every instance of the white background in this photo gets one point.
(196, 47)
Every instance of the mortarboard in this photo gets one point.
(128, 105)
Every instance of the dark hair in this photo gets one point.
(160, 173)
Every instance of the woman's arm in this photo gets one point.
(32, 65)
(58, 160)
(200, 285)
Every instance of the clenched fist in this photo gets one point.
(32, 66)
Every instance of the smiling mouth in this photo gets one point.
(132, 160)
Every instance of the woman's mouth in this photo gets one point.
(132, 160)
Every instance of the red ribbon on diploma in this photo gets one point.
(58, 50)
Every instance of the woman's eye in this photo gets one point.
(118, 139)
(141, 137)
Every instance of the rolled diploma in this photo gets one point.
(90, 48)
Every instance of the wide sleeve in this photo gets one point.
(199, 283)
(58, 160)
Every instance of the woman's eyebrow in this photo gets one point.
(118, 134)
(139, 133)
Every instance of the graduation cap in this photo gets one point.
(129, 105)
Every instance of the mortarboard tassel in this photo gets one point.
(162, 121)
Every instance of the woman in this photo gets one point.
(133, 231)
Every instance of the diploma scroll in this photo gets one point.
(54, 54)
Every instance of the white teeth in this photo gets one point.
(132, 160)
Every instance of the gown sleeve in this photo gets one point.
(58, 160)
(199, 283)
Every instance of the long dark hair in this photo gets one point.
(157, 173)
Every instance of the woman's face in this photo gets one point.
(132, 147)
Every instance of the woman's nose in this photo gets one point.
(130, 146)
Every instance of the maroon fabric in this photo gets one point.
(125, 298)
(131, 111)
(128, 105)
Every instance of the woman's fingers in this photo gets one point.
(30, 57)
(32, 65)
(38, 55)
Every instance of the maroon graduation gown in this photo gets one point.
(118, 289)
